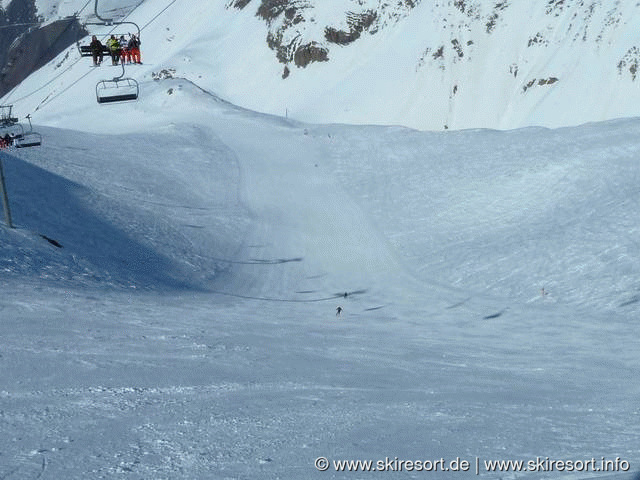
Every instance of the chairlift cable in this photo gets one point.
(159, 13)
(80, 11)
(8, 96)
(49, 99)
(19, 25)
(111, 21)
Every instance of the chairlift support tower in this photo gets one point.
(5, 197)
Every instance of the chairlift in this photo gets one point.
(110, 22)
(10, 129)
(12, 133)
(5, 115)
(118, 89)
(85, 50)
(28, 139)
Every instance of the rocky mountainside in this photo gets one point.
(499, 57)
(426, 64)
(27, 44)
(296, 37)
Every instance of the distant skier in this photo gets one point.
(338, 311)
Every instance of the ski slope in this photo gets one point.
(187, 327)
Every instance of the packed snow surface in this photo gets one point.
(181, 322)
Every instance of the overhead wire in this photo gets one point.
(49, 99)
(8, 94)
(159, 13)
(80, 11)
(28, 24)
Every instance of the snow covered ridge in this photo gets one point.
(505, 55)
(290, 21)
(427, 64)
(297, 27)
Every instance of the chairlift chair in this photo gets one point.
(118, 89)
(28, 139)
(12, 131)
(5, 116)
(32, 139)
(85, 50)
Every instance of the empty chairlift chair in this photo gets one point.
(28, 139)
(118, 89)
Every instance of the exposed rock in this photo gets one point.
(457, 47)
(357, 24)
(547, 81)
(555, 7)
(290, 40)
(311, 52)
(271, 9)
(164, 74)
(630, 62)
(540, 82)
(538, 39)
(493, 18)
(239, 4)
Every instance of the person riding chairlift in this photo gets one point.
(96, 50)
(6, 141)
(134, 49)
(114, 48)
(125, 54)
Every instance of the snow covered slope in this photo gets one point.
(187, 327)
(427, 64)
